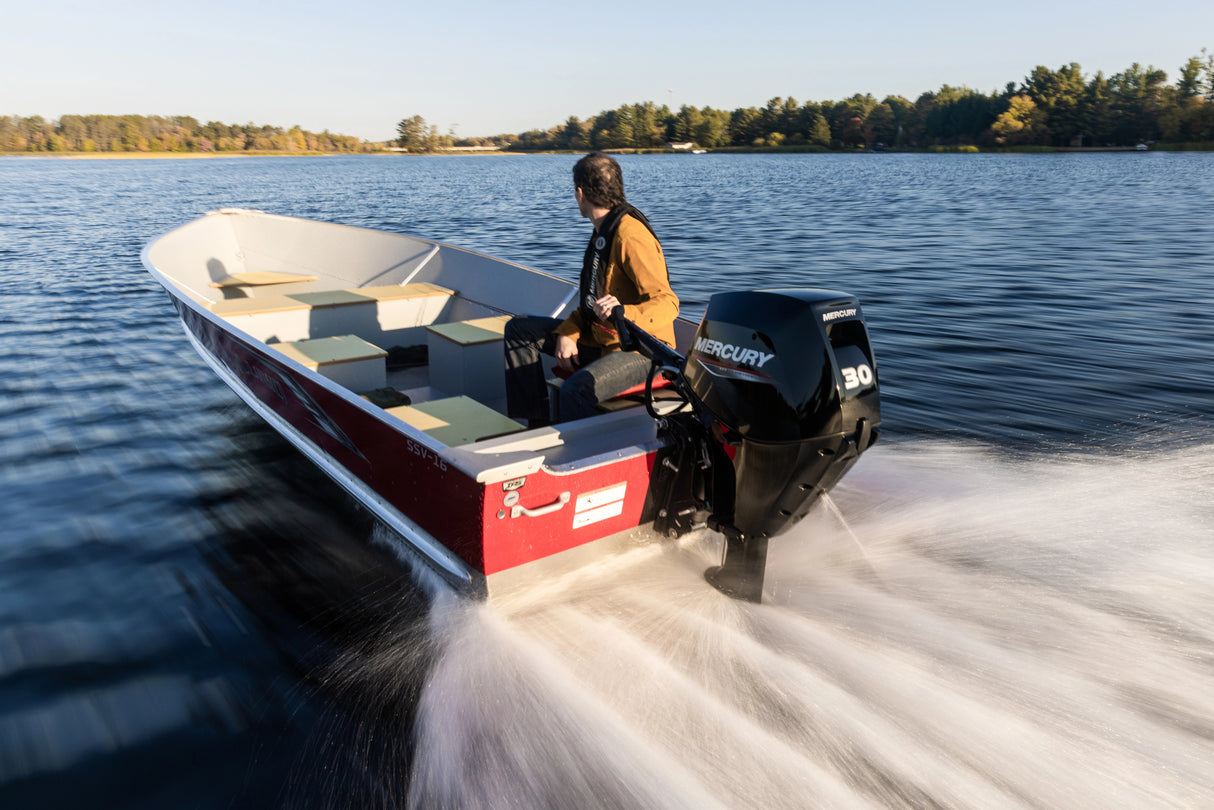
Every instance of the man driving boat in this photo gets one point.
(623, 266)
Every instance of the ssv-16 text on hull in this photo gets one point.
(379, 356)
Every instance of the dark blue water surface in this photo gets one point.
(187, 608)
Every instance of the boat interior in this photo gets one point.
(412, 326)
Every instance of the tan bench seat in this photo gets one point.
(326, 298)
(373, 312)
(259, 278)
(471, 333)
(466, 357)
(456, 421)
(347, 360)
(257, 306)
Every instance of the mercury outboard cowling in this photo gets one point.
(784, 395)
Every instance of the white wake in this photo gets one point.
(984, 632)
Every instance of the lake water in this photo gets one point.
(1010, 604)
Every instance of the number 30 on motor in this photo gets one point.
(856, 376)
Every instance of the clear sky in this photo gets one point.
(486, 68)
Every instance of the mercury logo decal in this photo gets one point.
(728, 351)
(838, 313)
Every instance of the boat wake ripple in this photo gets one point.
(1015, 632)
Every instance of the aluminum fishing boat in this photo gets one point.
(379, 356)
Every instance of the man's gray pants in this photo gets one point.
(602, 375)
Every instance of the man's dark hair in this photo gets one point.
(600, 179)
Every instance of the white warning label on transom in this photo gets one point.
(601, 504)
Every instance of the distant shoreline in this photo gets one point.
(213, 155)
(727, 150)
(171, 155)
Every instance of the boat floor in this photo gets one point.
(414, 383)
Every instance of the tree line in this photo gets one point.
(1049, 108)
(181, 133)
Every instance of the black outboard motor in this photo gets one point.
(784, 395)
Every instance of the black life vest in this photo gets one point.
(597, 252)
